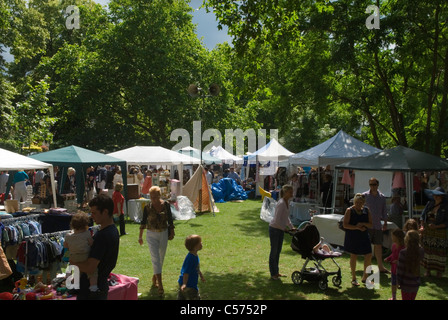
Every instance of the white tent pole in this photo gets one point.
(181, 177)
(335, 185)
(53, 187)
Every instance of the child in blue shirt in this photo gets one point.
(190, 272)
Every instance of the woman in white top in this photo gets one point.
(279, 224)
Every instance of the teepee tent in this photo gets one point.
(198, 191)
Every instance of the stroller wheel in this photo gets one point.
(337, 281)
(296, 277)
(323, 284)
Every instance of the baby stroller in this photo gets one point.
(303, 242)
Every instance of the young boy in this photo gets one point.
(188, 279)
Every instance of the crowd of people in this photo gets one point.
(416, 244)
(420, 243)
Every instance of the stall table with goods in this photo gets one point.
(135, 208)
(327, 224)
(34, 240)
(121, 287)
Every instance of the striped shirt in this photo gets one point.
(407, 281)
(378, 208)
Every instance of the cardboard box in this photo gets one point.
(11, 206)
(133, 191)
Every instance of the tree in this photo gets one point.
(32, 116)
(385, 75)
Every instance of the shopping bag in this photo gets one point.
(5, 269)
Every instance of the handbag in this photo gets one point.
(5, 269)
(341, 224)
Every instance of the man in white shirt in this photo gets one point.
(38, 180)
(234, 175)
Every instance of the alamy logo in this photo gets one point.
(233, 138)
(72, 21)
(373, 21)
(72, 281)
(373, 281)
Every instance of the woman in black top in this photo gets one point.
(357, 220)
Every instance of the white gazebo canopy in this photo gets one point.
(151, 155)
(272, 151)
(225, 156)
(154, 155)
(11, 161)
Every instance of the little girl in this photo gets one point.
(408, 268)
(397, 246)
(78, 242)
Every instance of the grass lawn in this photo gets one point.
(234, 261)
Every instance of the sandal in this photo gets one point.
(355, 283)
(364, 282)
(280, 275)
(154, 281)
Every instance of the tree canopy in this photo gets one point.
(308, 68)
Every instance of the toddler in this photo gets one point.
(78, 243)
(397, 246)
(188, 279)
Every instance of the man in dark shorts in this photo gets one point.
(104, 251)
(376, 202)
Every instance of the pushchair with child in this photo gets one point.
(304, 241)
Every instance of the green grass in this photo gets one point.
(234, 261)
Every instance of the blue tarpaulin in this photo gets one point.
(228, 190)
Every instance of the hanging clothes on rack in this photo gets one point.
(41, 252)
(12, 231)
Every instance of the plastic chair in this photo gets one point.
(264, 193)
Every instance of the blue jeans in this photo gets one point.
(276, 239)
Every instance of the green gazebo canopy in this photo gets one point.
(80, 159)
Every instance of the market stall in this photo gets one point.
(399, 159)
(154, 155)
(273, 153)
(327, 224)
(336, 150)
(80, 159)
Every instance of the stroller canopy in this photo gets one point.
(305, 239)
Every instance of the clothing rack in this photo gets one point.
(37, 236)
(21, 218)
(48, 235)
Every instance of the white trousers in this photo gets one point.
(157, 242)
(20, 191)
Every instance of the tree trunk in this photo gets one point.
(431, 85)
(442, 128)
